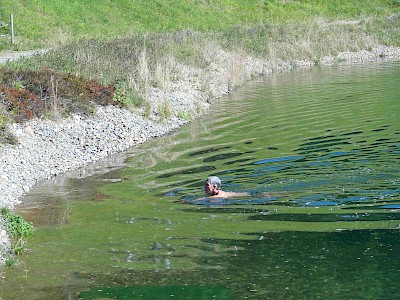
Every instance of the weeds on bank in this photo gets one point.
(19, 230)
(312, 40)
(164, 110)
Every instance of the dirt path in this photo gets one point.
(6, 56)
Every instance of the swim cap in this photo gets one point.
(215, 181)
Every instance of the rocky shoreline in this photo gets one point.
(47, 148)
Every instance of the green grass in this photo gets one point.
(44, 23)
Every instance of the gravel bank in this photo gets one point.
(47, 148)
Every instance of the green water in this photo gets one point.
(318, 152)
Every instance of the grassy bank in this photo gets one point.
(44, 23)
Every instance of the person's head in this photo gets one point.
(212, 185)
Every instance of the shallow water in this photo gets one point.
(317, 151)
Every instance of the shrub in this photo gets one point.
(25, 94)
(164, 110)
(19, 229)
(21, 103)
(15, 224)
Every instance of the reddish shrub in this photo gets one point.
(79, 88)
(27, 92)
(23, 104)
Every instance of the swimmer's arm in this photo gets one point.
(233, 194)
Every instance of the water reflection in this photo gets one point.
(253, 200)
(275, 265)
(327, 217)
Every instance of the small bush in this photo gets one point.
(4, 118)
(16, 225)
(125, 95)
(10, 261)
(6, 137)
(18, 229)
(184, 115)
(164, 110)
(21, 103)
(26, 94)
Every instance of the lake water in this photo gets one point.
(318, 152)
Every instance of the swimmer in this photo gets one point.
(212, 187)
